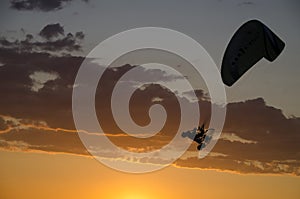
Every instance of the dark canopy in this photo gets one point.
(252, 41)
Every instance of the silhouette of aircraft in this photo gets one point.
(198, 135)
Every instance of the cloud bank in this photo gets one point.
(53, 40)
(36, 111)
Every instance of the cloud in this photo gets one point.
(52, 30)
(14, 145)
(245, 166)
(257, 138)
(40, 78)
(37, 135)
(79, 35)
(234, 138)
(157, 99)
(256, 142)
(28, 135)
(40, 5)
(52, 44)
(200, 94)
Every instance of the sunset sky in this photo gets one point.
(42, 45)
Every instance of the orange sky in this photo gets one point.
(42, 175)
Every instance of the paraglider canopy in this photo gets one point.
(251, 42)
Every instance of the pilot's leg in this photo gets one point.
(199, 147)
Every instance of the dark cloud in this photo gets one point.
(257, 138)
(200, 94)
(40, 5)
(276, 136)
(53, 43)
(242, 166)
(51, 31)
(79, 35)
(37, 136)
(43, 5)
(16, 86)
(29, 37)
(2, 124)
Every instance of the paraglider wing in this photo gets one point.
(251, 42)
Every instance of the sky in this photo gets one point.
(68, 176)
(42, 46)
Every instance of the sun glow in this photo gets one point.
(138, 192)
(130, 195)
(135, 196)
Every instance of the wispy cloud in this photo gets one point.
(234, 138)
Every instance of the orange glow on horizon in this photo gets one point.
(38, 175)
(132, 194)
